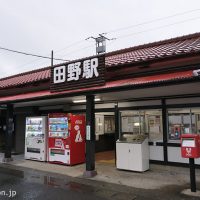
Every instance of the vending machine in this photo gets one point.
(36, 138)
(66, 139)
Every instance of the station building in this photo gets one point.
(151, 89)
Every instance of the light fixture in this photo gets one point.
(79, 101)
(97, 99)
(136, 124)
(84, 100)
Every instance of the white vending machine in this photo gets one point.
(36, 138)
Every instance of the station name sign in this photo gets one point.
(79, 74)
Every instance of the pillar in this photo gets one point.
(9, 133)
(165, 137)
(90, 137)
(116, 127)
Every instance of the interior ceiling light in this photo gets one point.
(84, 100)
(136, 124)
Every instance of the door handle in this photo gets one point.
(129, 150)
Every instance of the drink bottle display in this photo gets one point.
(36, 138)
(66, 138)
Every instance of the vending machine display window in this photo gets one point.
(58, 127)
(36, 138)
(66, 141)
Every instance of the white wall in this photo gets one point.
(174, 155)
(156, 153)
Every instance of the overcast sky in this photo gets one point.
(39, 26)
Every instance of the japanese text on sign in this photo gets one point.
(74, 72)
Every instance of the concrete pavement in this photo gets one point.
(158, 176)
(166, 182)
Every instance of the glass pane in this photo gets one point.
(132, 122)
(146, 122)
(154, 125)
(180, 121)
(104, 123)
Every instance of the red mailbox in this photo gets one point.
(190, 145)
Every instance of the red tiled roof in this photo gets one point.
(157, 50)
(168, 48)
(142, 81)
(25, 78)
(151, 79)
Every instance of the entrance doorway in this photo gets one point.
(105, 137)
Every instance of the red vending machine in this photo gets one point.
(66, 138)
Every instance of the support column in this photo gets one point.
(90, 137)
(116, 127)
(9, 132)
(192, 175)
(165, 137)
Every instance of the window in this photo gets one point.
(147, 122)
(104, 123)
(183, 121)
(109, 124)
(132, 122)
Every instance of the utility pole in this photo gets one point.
(52, 58)
(100, 42)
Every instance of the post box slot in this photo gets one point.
(188, 142)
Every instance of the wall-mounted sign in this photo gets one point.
(88, 134)
(78, 74)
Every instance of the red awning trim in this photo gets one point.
(112, 84)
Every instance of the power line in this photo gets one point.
(29, 54)
(159, 27)
(135, 25)
(70, 45)
(151, 21)
(32, 61)
(124, 28)
(86, 47)
(71, 52)
(114, 30)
